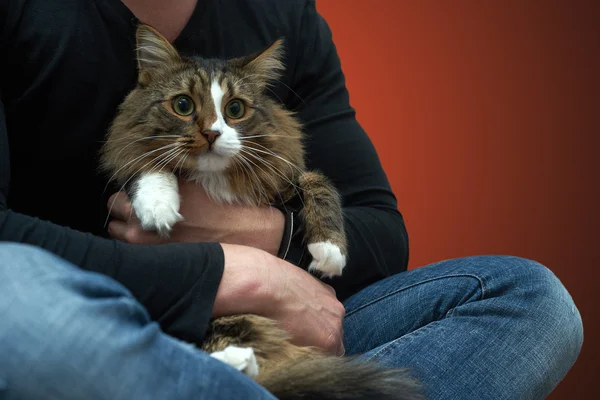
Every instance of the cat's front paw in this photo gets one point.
(327, 259)
(241, 358)
(156, 202)
(156, 215)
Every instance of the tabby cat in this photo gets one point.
(211, 121)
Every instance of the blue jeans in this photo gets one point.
(473, 328)
(487, 327)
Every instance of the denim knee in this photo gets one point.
(51, 330)
(551, 304)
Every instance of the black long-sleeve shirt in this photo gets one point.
(65, 65)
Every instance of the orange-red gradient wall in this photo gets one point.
(486, 116)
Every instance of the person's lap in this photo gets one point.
(481, 327)
(69, 334)
(471, 328)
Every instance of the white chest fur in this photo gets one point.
(216, 186)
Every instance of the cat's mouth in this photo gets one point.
(194, 149)
(205, 157)
(211, 150)
(212, 162)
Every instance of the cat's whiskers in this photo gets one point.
(271, 153)
(163, 163)
(153, 160)
(128, 139)
(180, 155)
(243, 170)
(278, 172)
(292, 90)
(181, 161)
(259, 183)
(144, 138)
(137, 159)
(262, 135)
(276, 95)
(139, 170)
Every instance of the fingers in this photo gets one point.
(330, 289)
(132, 232)
(334, 343)
(120, 207)
(125, 226)
(340, 350)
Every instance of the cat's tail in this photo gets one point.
(333, 378)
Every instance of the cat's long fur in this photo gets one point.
(255, 157)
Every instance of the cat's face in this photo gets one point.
(198, 114)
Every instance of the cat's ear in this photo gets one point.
(153, 50)
(267, 65)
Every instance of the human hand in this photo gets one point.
(204, 221)
(255, 282)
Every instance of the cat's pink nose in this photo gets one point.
(211, 136)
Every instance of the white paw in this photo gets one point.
(327, 258)
(156, 202)
(241, 358)
(157, 216)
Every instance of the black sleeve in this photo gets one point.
(177, 283)
(339, 147)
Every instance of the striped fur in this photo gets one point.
(183, 118)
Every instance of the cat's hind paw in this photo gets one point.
(241, 358)
(327, 259)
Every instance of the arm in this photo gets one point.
(177, 283)
(338, 147)
(204, 221)
(184, 285)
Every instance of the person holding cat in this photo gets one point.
(90, 316)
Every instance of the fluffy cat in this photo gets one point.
(210, 121)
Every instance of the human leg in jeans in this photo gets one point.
(488, 327)
(472, 328)
(70, 334)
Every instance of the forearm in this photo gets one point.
(378, 248)
(243, 286)
(338, 147)
(255, 282)
(176, 283)
(261, 228)
(208, 221)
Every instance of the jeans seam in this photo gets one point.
(481, 284)
(450, 312)
(408, 336)
(428, 326)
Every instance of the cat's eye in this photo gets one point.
(235, 109)
(183, 105)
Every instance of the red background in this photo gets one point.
(486, 116)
